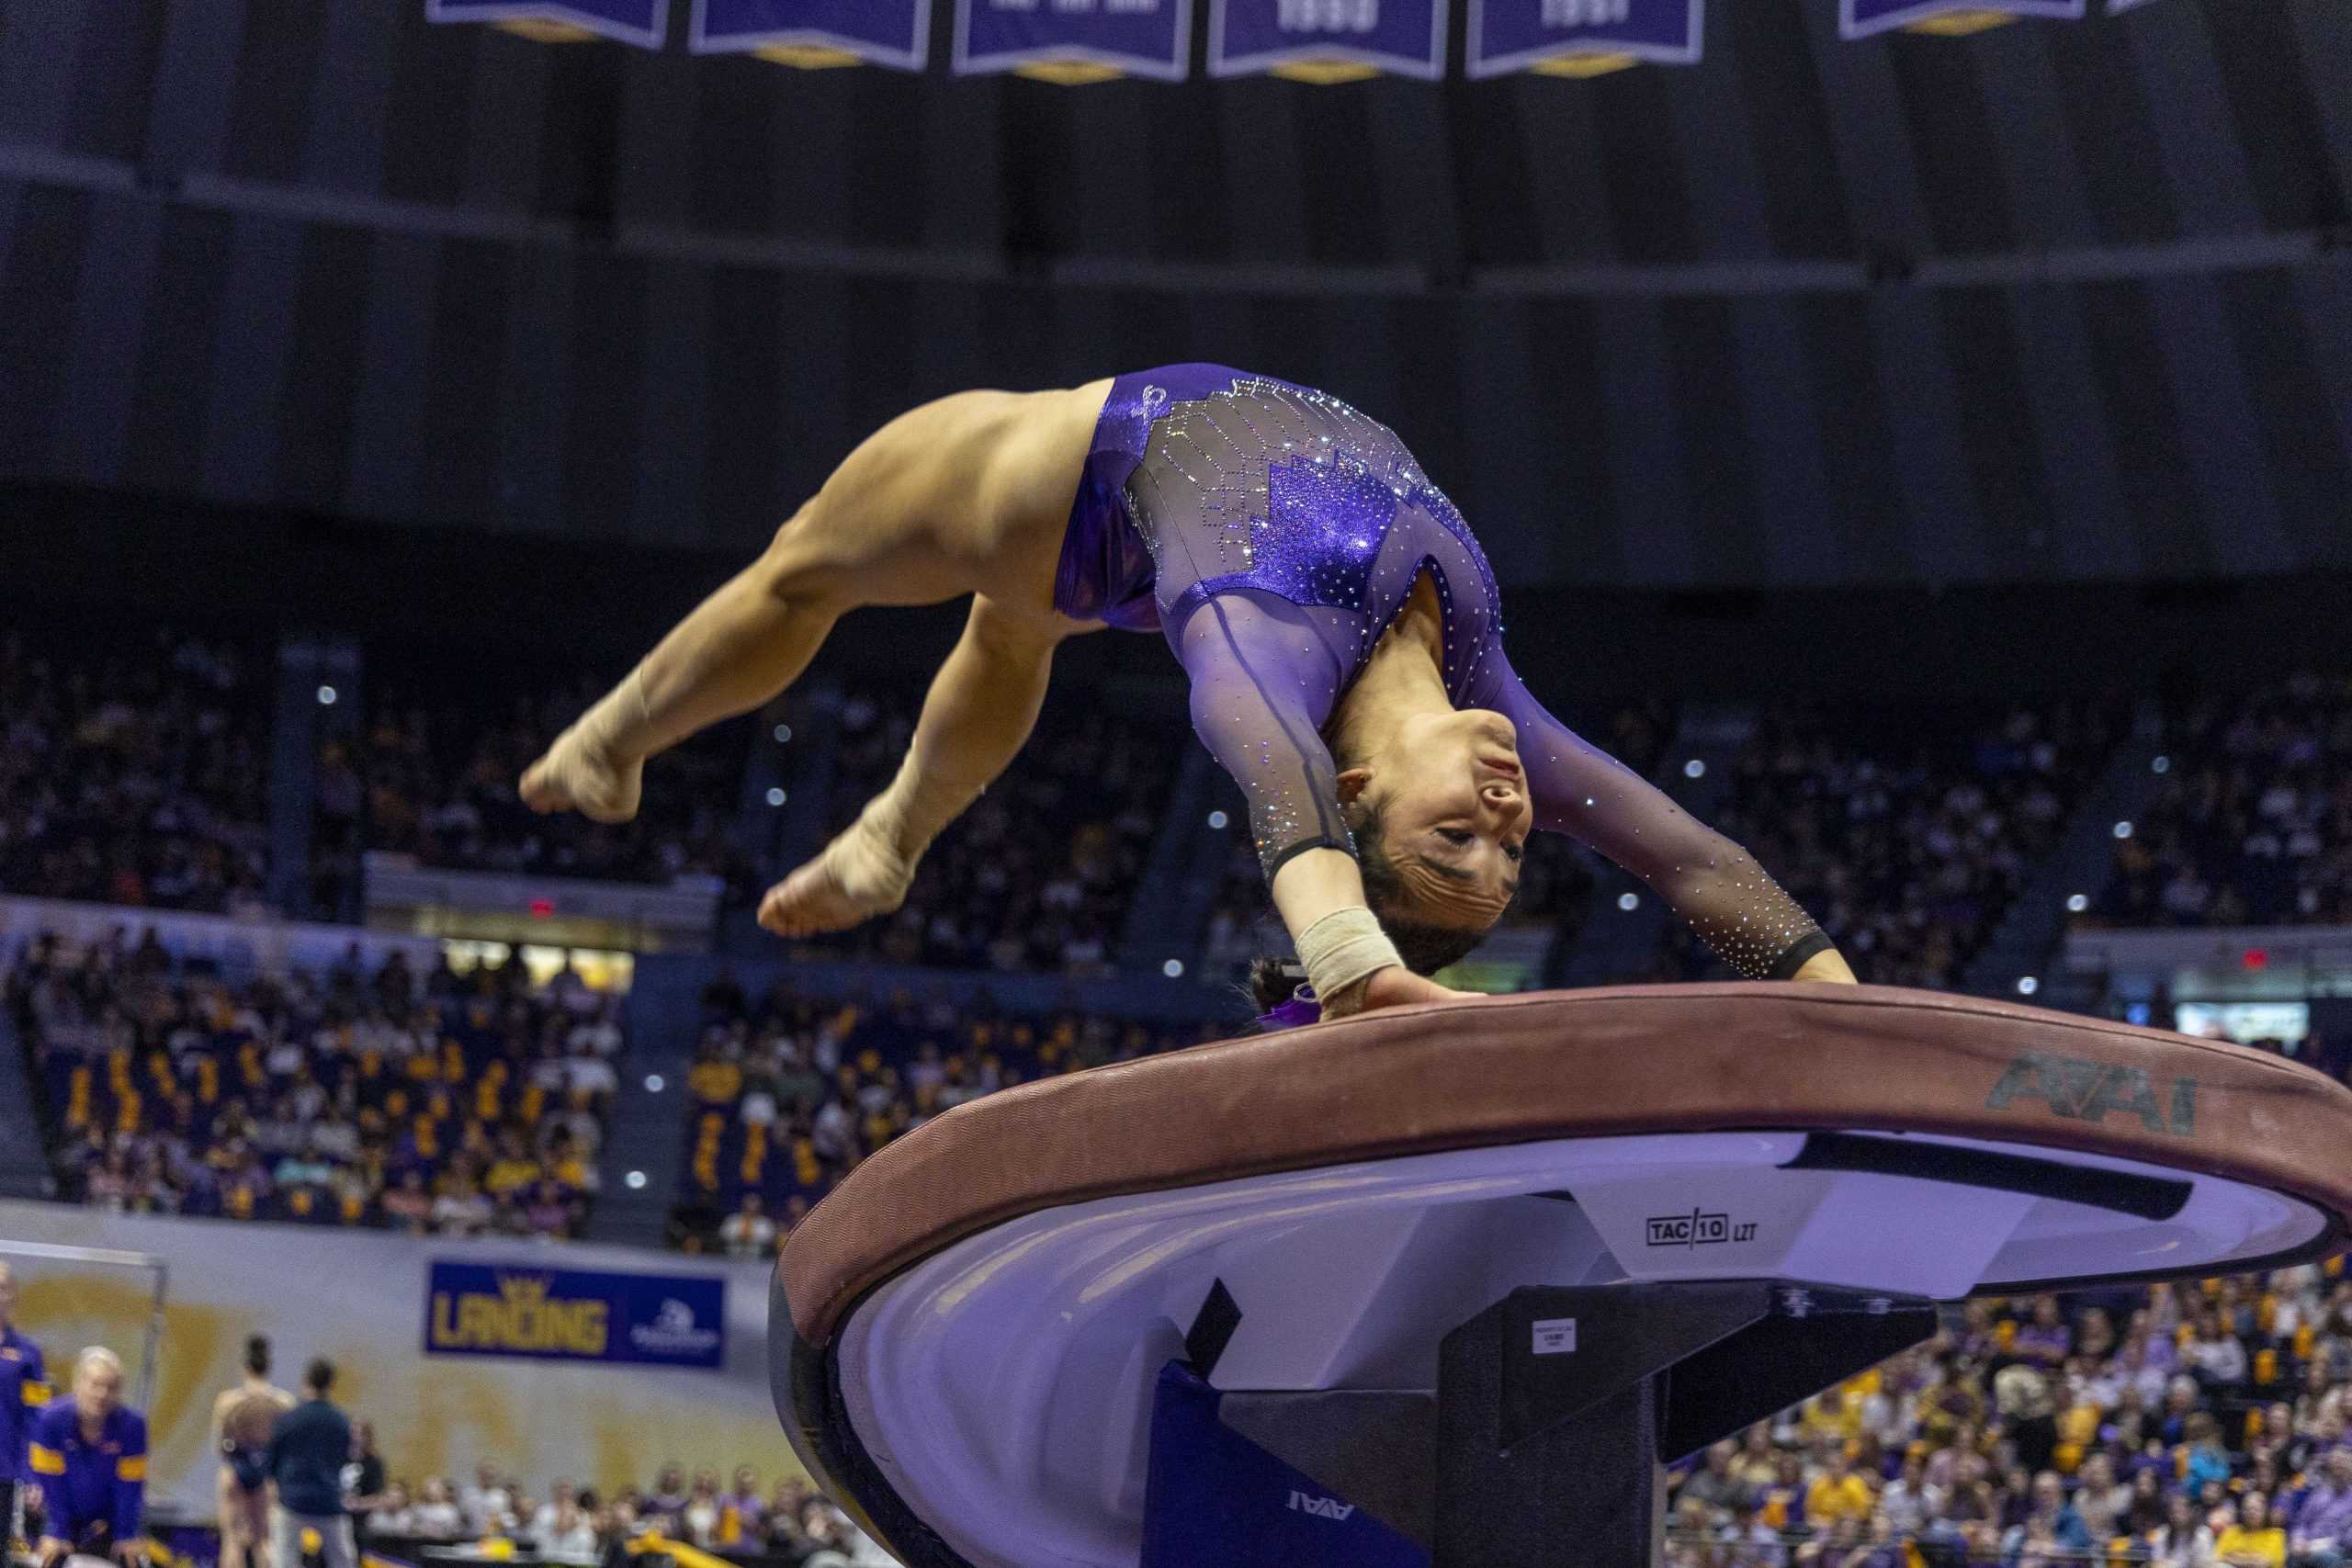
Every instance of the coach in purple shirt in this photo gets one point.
(2046, 1340)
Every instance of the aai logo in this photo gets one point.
(1321, 1508)
(1697, 1228)
(2093, 1092)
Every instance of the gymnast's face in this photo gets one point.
(1455, 814)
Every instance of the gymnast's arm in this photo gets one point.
(1261, 685)
(1734, 904)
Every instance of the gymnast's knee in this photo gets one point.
(802, 568)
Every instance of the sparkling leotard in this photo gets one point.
(1271, 532)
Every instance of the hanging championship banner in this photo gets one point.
(641, 22)
(1861, 19)
(1582, 37)
(1328, 40)
(815, 32)
(2115, 6)
(1074, 41)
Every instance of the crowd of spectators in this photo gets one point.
(134, 777)
(434, 1102)
(431, 775)
(790, 1525)
(1555, 879)
(1036, 875)
(2194, 1427)
(1907, 834)
(787, 1093)
(2252, 821)
(2199, 1425)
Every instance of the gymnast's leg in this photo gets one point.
(961, 495)
(978, 712)
(740, 647)
(970, 494)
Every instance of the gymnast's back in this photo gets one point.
(1271, 532)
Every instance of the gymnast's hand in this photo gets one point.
(1828, 965)
(1393, 986)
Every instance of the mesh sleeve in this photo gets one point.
(1261, 684)
(1733, 903)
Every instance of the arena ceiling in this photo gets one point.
(2062, 301)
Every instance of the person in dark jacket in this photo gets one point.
(309, 1446)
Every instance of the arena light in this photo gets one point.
(783, 734)
(634, 1180)
(1173, 968)
(327, 696)
(2079, 902)
(1218, 819)
(2027, 985)
(2161, 765)
(1628, 902)
(655, 1083)
(775, 796)
(2255, 958)
(2123, 829)
(1694, 769)
(542, 909)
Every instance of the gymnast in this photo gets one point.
(1340, 626)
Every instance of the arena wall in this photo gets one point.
(362, 1301)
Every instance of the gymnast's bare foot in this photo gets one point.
(857, 876)
(578, 775)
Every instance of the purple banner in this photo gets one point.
(1075, 40)
(1522, 35)
(1861, 19)
(1403, 36)
(886, 32)
(2115, 6)
(641, 22)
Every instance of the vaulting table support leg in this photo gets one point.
(1558, 1408)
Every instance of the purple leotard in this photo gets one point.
(1271, 532)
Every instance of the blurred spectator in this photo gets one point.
(2252, 821)
(787, 1093)
(135, 777)
(437, 1515)
(2254, 1540)
(748, 1232)
(489, 1504)
(1927, 1460)
(339, 1098)
(561, 1525)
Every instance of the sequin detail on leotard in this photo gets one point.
(1286, 530)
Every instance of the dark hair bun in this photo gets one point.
(1272, 981)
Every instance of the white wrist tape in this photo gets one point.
(1342, 948)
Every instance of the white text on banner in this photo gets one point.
(644, 23)
(815, 32)
(1582, 37)
(1328, 40)
(1861, 19)
(1075, 40)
